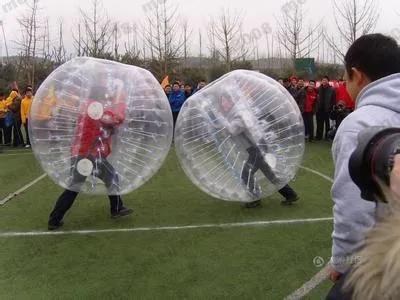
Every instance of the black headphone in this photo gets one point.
(372, 161)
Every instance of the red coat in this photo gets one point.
(94, 136)
(311, 101)
(343, 95)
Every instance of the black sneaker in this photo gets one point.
(253, 204)
(53, 227)
(290, 201)
(121, 213)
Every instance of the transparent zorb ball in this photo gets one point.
(100, 127)
(241, 138)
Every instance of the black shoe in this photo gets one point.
(289, 201)
(253, 204)
(52, 227)
(121, 213)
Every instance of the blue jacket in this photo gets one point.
(176, 99)
(377, 105)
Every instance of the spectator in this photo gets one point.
(307, 99)
(372, 277)
(326, 103)
(176, 99)
(25, 109)
(373, 78)
(14, 107)
(3, 128)
(286, 83)
(300, 87)
(201, 85)
(300, 84)
(293, 87)
(188, 91)
(167, 91)
(339, 113)
(280, 80)
(343, 95)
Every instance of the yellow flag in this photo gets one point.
(165, 82)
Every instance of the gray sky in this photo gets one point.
(256, 12)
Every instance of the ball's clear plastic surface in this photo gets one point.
(241, 138)
(100, 127)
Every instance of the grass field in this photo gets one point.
(254, 262)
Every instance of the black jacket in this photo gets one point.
(292, 90)
(326, 99)
(339, 115)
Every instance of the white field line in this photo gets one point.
(169, 228)
(16, 154)
(321, 276)
(318, 173)
(21, 190)
(298, 294)
(311, 285)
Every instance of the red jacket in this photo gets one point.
(343, 95)
(311, 100)
(94, 136)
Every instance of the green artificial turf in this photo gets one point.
(267, 262)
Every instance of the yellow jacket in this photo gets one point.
(25, 108)
(10, 98)
(45, 110)
(3, 109)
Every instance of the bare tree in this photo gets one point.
(213, 44)
(95, 32)
(132, 46)
(163, 37)
(30, 37)
(59, 52)
(77, 41)
(201, 46)
(187, 33)
(294, 37)
(116, 41)
(353, 18)
(46, 41)
(226, 38)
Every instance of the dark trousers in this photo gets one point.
(309, 124)
(175, 117)
(256, 162)
(26, 126)
(2, 130)
(337, 292)
(103, 170)
(7, 134)
(323, 124)
(18, 139)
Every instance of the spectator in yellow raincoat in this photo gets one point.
(4, 130)
(13, 103)
(25, 110)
